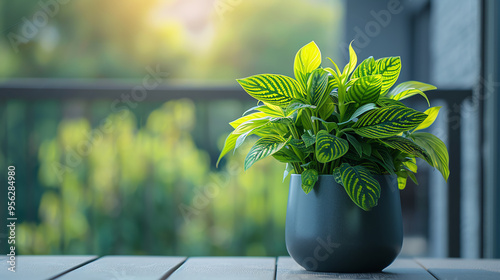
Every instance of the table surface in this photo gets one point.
(261, 268)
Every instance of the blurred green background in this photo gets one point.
(91, 180)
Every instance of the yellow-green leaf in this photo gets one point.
(432, 114)
(329, 147)
(353, 60)
(409, 89)
(229, 144)
(359, 184)
(388, 121)
(307, 59)
(317, 86)
(437, 151)
(246, 118)
(389, 68)
(274, 89)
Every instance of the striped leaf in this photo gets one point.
(365, 68)
(389, 68)
(361, 110)
(388, 121)
(329, 147)
(264, 147)
(270, 110)
(286, 155)
(385, 101)
(359, 184)
(437, 151)
(365, 90)
(274, 89)
(251, 124)
(316, 86)
(432, 114)
(309, 178)
(405, 145)
(410, 88)
(307, 59)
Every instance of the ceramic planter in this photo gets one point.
(326, 231)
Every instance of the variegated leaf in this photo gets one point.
(365, 90)
(317, 85)
(353, 60)
(406, 145)
(246, 118)
(264, 147)
(359, 184)
(389, 68)
(388, 121)
(274, 89)
(329, 147)
(309, 178)
(365, 68)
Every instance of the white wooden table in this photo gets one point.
(261, 268)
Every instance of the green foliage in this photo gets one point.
(347, 124)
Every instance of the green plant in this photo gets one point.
(345, 123)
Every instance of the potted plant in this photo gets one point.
(350, 143)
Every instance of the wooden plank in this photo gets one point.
(463, 269)
(41, 267)
(126, 267)
(234, 268)
(288, 269)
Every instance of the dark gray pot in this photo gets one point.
(326, 231)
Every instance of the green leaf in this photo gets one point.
(359, 184)
(274, 89)
(329, 125)
(367, 148)
(246, 118)
(384, 101)
(432, 114)
(326, 110)
(264, 147)
(288, 169)
(361, 110)
(307, 59)
(365, 68)
(388, 121)
(296, 105)
(365, 90)
(329, 147)
(317, 85)
(437, 151)
(229, 144)
(389, 68)
(405, 145)
(286, 155)
(309, 178)
(332, 84)
(301, 146)
(355, 143)
(353, 60)
(309, 140)
(410, 88)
